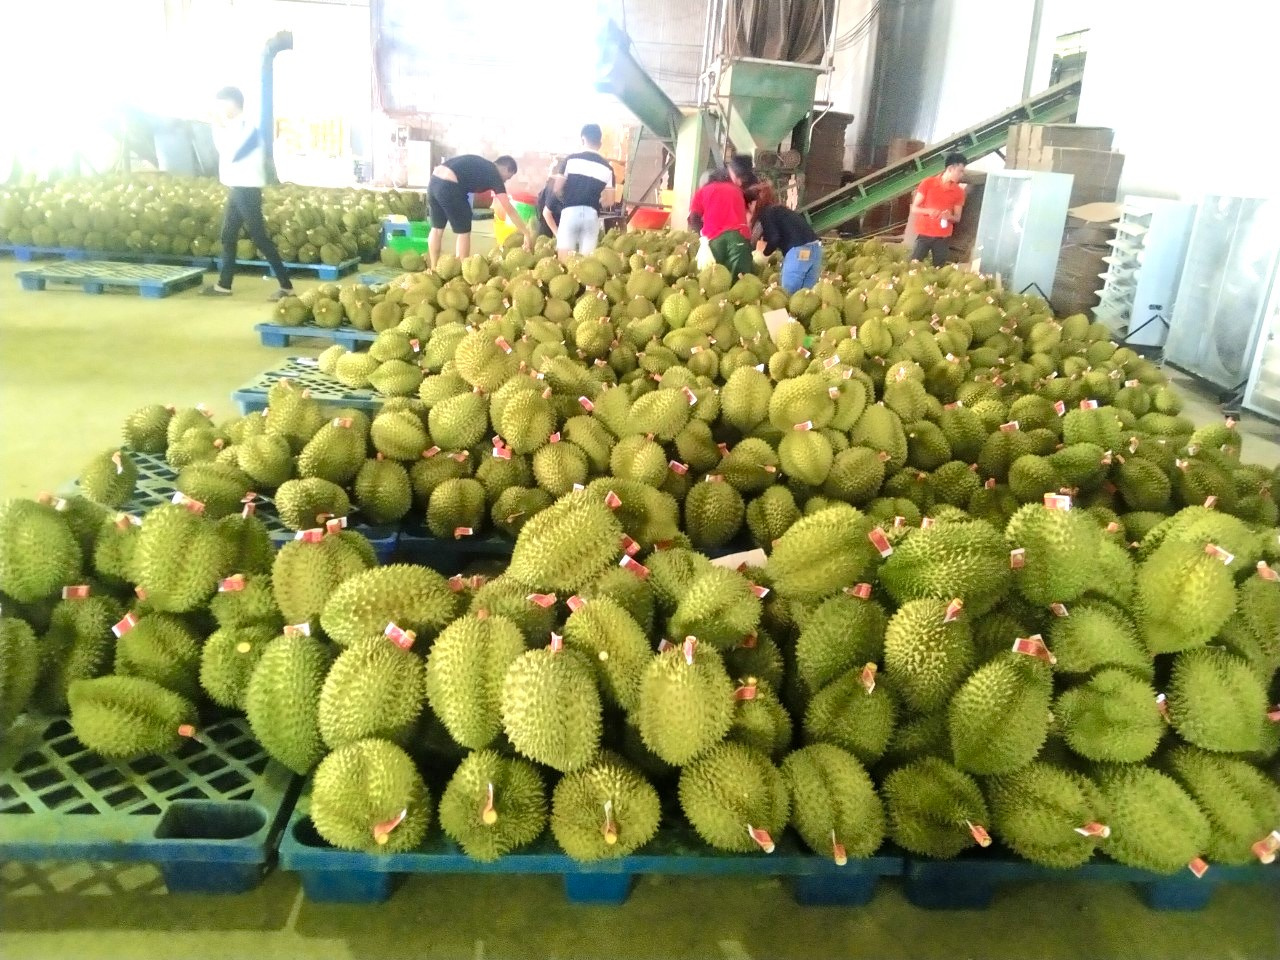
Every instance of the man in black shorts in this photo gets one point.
(450, 183)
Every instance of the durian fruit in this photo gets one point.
(1111, 717)
(671, 573)
(686, 703)
(719, 608)
(120, 718)
(282, 700)
(78, 645)
(368, 796)
(551, 708)
(934, 809)
(411, 597)
(493, 805)
(1096, 634)
(1048, 815)
(114, 548)
(760, 720)
(163, 648)
(374, 689)
(335, 453)
(770, 515)
(465, 670)
(1184, 597)
(307, 503)
(39, 555)
(834, 806)
(266, 459)
(926, 657)
(1154, 824)
(735, 799)
(1240, 802)
(109, 478)
(1216, 701)
(146, 429)
(227, 660)
(1254, 631)
(965, 560)
(456, 506)
(999, 718)
(713, 513)
(383, 492)
(605, 633)
(604, 811)
(306, 574)
(540, 559)
(399, 435)
(19, 666)
(504, 596)
(1059, 550)
(857, 712)
(842, 633)
(248, 543)
(823, 553)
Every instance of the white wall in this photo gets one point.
(1188, 89)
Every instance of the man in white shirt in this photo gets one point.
(242, 167)
(586, 186)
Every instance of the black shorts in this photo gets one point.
(449, 205)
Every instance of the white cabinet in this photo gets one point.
(1020, 228)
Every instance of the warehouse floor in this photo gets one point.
(73, 366)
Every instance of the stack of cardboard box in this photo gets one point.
(1086, 154)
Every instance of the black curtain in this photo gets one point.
(791, 30)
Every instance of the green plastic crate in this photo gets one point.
(404, 244)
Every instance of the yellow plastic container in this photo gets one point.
(501, 229)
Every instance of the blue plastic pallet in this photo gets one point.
(323, 271)
(418, 544)
(209, 816)
(152, 280)
(342, 876)
(280, 335)
(27, 252)
(971, 882)
(252, 396)
(157, 483)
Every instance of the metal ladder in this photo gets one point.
(1055, 105)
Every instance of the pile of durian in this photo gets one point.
(996, 587)
(170, 215)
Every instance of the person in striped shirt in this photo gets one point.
(587, 185)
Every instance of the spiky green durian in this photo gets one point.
(125, 717)
(373, 689)
(146, 429)
(504, 596)
(382, 491)
(464, 675)
(369, 796)
(735, 799)
(109, 478)
(411, 597)
(1254, 631)
(926, 657)
(551, 708)
(1216, 701)
(163, 648)
(686, 703)
(19, 666)
(179, 559)
(1154, 824)
(834, 806)
(399, 435)
(822, 554)
(842, 633)
(999, 718)
(1183, 597)
(605, 633)
(856, 711)
(266, 459)
(965, 560)
(1112, 717)
(746, 398)
(493, 805)
(604, 811)
(1048, 815)
(1240, 802)
(335, 453)
(282, 700)
(227, 660)
(713, 513)
(855, 476)
(933, 808)
(459, 422)
(1096, 634)
(305, 573)
(540, 559)
(39, 554)
(1059, 550)
(308, 503)
(760, 720)
(880, 429)
(457, 508)
(719, 608)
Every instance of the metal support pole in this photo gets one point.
(1028, 75)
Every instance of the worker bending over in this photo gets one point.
(719, 212)
(548, 206)
(935, 209)
(450, 183)
(587, 184)
(781, 228)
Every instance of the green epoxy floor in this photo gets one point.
(73, 366)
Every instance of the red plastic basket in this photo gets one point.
(649, 218)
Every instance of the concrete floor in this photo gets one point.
(73, 366)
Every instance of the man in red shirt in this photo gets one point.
(936, 208)
(719, 212)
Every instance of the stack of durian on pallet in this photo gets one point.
(1000, 588)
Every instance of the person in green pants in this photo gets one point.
(719, 212)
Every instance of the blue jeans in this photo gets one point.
(798, 274)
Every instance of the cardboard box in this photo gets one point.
(1042, 135)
